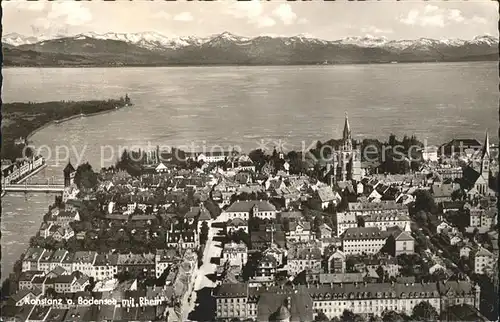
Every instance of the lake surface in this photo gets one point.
(240, 106)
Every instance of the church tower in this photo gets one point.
(485, 158)
(69, 174)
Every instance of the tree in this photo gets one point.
(348, 316)
(204, 232)
(391, 316)
(85, 177)
(321, 317)
(424, 201)
(424, 311)
(457, 195)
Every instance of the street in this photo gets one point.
(212, 249)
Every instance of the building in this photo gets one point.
(83, 261)
(31, 260)
(400, 241)
(430, 153)
(364, 208)
(337, 262)
(483, 217)
(345, 163)
(69, 173)
(235, 254)
(298, 231)
(367, 240)
(243, 209)
(387, 219)
(483, 261)
(345, 220)
(328, 197)
(164, 258)
(105, 266)
(304, 303)
(236, 224)
(137, 264)
(231, 301)
(300, 259)
(460, 147)
(266, 270)
(209, 157)
(478, 177)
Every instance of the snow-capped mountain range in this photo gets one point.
(157, 41)
(154, 49)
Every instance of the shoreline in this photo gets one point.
(249, 65)
(55, 122)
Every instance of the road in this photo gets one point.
(212, 249)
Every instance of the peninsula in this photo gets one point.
(21, 120)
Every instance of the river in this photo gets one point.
(240, 106)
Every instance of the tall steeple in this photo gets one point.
(486, 147)
(347, 129)
(485, 158)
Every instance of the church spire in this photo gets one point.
(486, 146)
(347, 129)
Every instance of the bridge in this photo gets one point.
(32, 187)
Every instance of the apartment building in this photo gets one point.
(368, 240)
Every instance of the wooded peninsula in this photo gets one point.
(21, 120)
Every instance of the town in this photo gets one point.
(228, 236)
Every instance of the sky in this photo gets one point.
(320, 19)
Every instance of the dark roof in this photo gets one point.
(271, 305)
(69, 168)
(363, 233)
(232, 290)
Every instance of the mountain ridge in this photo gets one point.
(152, 48)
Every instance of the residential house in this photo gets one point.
(236, 224)
(165, 258)
(300, 259)
(31, 260)
(483, 261)
(278, 253)
(465, 251)
(105, 266)
(266, 270)
(83, 261)
(328, 197)
(24, 296)
(325, 231)
(26, 279)
(483, 217)
(137, 264)
(235, 253)
(299, 231)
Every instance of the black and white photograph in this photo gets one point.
(249, 161)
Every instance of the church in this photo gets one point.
(476, 177)
(345, 163)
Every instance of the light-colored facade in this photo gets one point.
(362, 240)
(387, 219)
(483, 261)
(302, 259)
(243, 209)
(236, 300)
(345, 220)
(235, 254)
